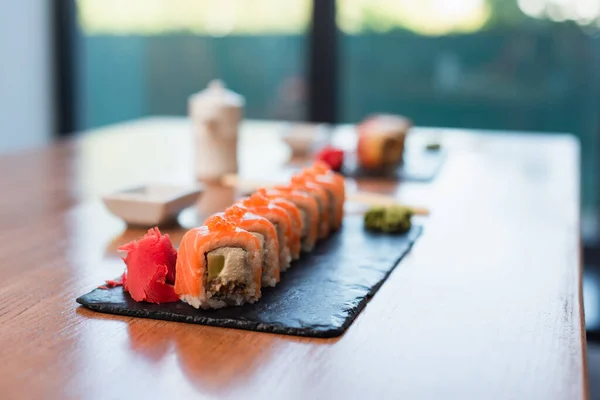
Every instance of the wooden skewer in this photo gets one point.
(376, 199)
(234, 181)
(371, 199)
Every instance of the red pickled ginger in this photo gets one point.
(332, 156)
(150, 272)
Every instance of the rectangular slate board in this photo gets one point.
(319, 296)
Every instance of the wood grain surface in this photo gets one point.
(486, 306)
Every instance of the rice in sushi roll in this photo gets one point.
(218, 265)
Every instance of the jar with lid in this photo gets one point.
(215, 114)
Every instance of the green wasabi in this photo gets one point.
(433, 146)
(392, 219)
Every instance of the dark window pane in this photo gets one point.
(145, 57)
(528, 65)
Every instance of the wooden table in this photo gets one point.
(487, 305)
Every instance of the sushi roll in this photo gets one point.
(264, 207)
(305, 184)
(266, 234)
(218, 265)
(335, 188)
(324, 169)
(381, 141)
(309, 212)
(296, 218)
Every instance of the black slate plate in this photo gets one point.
(318, 297)
(419, 166)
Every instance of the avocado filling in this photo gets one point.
(227, 273)
(216, 263)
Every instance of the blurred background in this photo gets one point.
(524, 65)
(529, 65)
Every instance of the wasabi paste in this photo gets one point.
(392, 219)
(433, 146)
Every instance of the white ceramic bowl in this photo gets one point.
(303, 137)
(152, 205)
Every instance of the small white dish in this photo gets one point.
(302, 138)
(152, 205)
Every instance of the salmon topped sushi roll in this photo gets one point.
(309, 212)
(296, 218)
(305, 184)
(335, 191)
(324, 169)
(218, 265)
(261, 205)
(266, 234)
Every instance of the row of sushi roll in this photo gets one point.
(235, 253)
